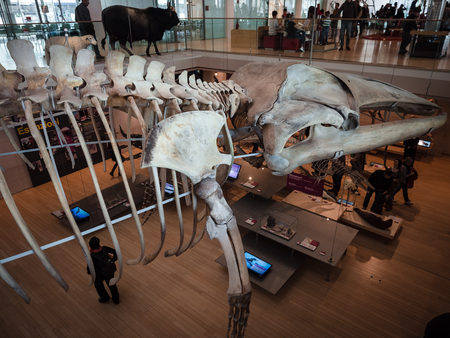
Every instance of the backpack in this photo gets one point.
(106, 264)
(412, 178)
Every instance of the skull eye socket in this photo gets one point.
(351, 123)
(302, 135)
(297, 137)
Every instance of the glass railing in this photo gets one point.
(41, 31)
(377, 41)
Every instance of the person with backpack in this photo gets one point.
(103, 258)
(410, 176)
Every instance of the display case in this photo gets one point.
(279, 223)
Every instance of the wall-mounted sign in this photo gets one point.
(306, 184)
(61, 155)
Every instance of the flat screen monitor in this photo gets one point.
(234, 172)
(169, 188)
(256, 265)
(340, 201)
(425, 144)
(80, 215)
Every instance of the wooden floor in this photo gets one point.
(377, 290)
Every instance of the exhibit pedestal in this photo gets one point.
(284, 263)
(333, 237)
(114, 198)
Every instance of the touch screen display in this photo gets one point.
(169, 188)
(79, 214)
(234, 173)
(425, 144)
(256, 264)
(345, 202)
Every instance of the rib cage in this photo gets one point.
(154, 97)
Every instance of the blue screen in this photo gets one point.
(169, 188)
(234, 172)
(79, 214)
(345, 202)
(423, 143)
(256, 264)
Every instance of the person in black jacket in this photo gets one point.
(349, 11)
(407, 163)
(82, 14)
(97, 251)
(410, 148)
(114, 159)
(408, 26)
(381, 180)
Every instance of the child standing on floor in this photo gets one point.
(326, 23)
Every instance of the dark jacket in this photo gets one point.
(379, 182)
(291, 30)
(82, 14)
(408, 26)
(349, 10)
(95, 260)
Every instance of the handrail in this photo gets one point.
(193, 19)
(193, 36)
(388, 20)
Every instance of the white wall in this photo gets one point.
(229, 13)
(95, 8)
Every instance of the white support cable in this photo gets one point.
(97, 142)
(67, 145)
(247, 155)
(87, 232)
(101, 226)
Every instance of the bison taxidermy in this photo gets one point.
(132, 24)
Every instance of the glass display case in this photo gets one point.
(279, 223)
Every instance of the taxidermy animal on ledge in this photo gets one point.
(128, 24)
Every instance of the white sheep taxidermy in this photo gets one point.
(73, 42)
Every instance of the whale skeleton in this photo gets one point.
(181, 121)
